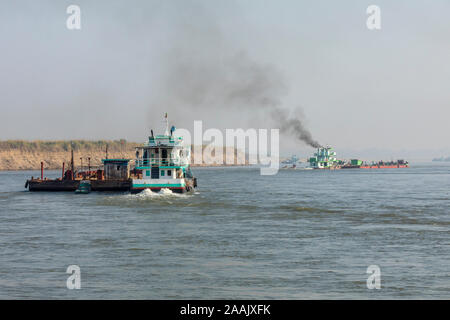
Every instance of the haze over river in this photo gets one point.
(296, 235)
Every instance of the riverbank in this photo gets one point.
(27, 155)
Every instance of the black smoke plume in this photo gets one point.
(294, 125)
(207, 74)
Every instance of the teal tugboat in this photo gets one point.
(324, 158)
(165, 164)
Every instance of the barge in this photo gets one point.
(359, 164)
(325, 158)
(114, 177)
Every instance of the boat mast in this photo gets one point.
(71, 164)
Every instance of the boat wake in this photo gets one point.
(147, 193)
(144, 197)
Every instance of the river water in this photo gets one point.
(296, 235)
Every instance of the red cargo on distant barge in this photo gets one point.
(358, 164)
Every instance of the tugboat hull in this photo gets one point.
(174, 190)
(175, 185)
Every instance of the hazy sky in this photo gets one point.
(134, 60)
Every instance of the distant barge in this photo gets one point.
(325, 158)
(358, 164)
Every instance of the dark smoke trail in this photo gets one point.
(240, 84)
(262, 86)
(295, 126)
(206, 74)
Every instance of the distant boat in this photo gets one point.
(298, 166)
(291, 160)
(442, 159)
(84, 187)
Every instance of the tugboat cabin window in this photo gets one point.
(162, 173)
(169, 173)
(147, 173)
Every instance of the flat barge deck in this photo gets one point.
(114, 176)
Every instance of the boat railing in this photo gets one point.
(148, 162)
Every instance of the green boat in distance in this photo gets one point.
(84, 187)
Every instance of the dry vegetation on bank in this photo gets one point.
(27, 155)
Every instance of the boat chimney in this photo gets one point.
(62, 174)
(42, 170)
(166, 132)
